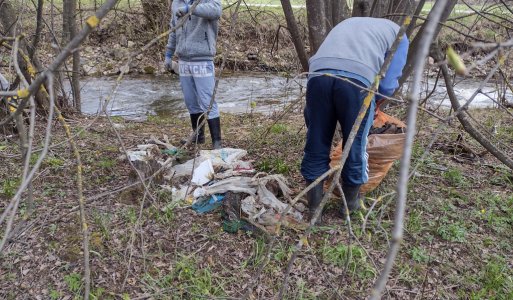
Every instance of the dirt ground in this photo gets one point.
(457, 233)
(458, 239)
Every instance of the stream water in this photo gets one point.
(139, 96)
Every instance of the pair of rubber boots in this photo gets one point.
(351, 193)
(214, 125)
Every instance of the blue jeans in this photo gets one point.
(330, 100)
(197, 81)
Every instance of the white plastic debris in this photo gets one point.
(203, 173)
(234, 184)
(229, 159)
(144, 152)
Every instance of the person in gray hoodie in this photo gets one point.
(354, 50)
(195, 46)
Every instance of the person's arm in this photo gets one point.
(171, 41)
(4, 83)
(170, 47)
(211, 10)
(390, 82)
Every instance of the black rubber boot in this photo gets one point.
(314, 197)
(195, 120)
(352, 195)
(214, 125)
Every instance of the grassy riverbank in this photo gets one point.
(457, 232)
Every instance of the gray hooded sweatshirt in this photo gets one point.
(359, 45)
(196, 39)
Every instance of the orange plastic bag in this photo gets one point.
(383, 150)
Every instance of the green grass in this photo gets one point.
(355, 260)
(73, 282)
(9, 187)
(495, 281)
(454, 177)
(274, 165)
(187, 280)
(257, 256)
(419, 254)
(278, 128)
(452, 231)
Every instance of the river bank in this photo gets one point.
(457, 240)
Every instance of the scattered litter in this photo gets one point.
(227, 159)
(208, 204)
(251, 202)
(203, 173)
(145, 152)
(231, 214)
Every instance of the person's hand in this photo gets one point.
(182, 11)
(168, 64)
(174, 68)
(168, 60)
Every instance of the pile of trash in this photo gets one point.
(222, 178)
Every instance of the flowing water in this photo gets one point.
(139, 96)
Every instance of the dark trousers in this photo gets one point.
(330, 100)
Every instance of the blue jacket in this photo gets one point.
(196, 39)
(359, 45)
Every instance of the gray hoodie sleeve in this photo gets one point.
(4, 84)
(210, 10)
(171, 41)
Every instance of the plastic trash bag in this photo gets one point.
(226, 158)
(208, 204)
(203, 173)
(383, 150)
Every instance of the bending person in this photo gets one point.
(354, 50)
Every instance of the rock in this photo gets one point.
(130, 44)
(125, 69)
(118, 126)
(252, 56)
(119, 53)
(139, 57)
(89, 70)
(123, 41)
(149, 70)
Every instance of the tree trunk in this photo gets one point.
(316, 17)
(361, 8)
(379, 8)
(397, 8)
(7, 20)
(69, 28)
(294, 33)
(415, 44)
(337, 11)
(39, 27)
(67, 14)
(413, 22)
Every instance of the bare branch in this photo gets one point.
(402, 187)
